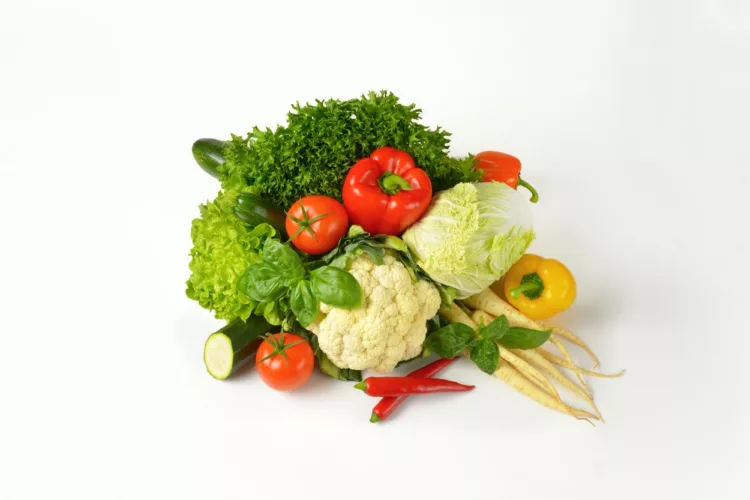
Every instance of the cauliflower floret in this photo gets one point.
(389, 327)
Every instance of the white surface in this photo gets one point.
(631, 118)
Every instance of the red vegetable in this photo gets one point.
(284, 361)
(388, 405)
(502, 167)
(400, 386)
(386, 193)
(315, 224)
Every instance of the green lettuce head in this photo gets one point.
(471, 235)
(223, 248)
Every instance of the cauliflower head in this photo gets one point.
(390, 326)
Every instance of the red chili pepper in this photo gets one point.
(401, 386)
(388, 405)
(502, 167)
(386, 193)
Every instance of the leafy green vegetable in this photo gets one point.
(496, 330)
(336, 287)
(524, 338)
(471, 235)
(279, 286)
(485, 354)
(223, 248)
(451, 340)
(312, 153)
(304, 303)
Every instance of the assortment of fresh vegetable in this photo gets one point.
(349, 240)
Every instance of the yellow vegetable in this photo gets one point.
(568, 335)
(570, 366)
(510, 376)
(481, 317)
(538, 287)
(532, 356)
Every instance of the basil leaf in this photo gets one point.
(271, 313)
(524, 338)
(304, 303)
(285, 260)
(336, 288)
(263, 282)
(355, 249)
(485, 354)
(496, 329)
(450, 341)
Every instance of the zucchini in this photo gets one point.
(254, 210)
(209, 154)
(231, 347)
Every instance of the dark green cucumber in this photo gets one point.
(254, 210)
(209, 154)
(228, 349)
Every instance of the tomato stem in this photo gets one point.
(534, 194)
(392, 183)
(305, 223)
(279, 348)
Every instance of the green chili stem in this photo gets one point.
(534, 194)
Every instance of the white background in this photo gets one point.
(631, 119)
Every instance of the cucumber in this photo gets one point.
(231, 347)
(209, 154)
(254, 210)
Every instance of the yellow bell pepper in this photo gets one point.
(538, 287)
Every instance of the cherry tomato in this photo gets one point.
(284, 361)
(316, 224)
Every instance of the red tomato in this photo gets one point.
(284, 366)
(316, 224)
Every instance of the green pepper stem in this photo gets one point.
(374, 418)
(534, 194)
(525, 287)
(362, 386)
(392, 183)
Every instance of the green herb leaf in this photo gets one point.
(285, 260)
(271, 313)
(315, 149)
(524, 338)
(485, 354)
(336, 288)
(450, 341)
(496, 329)
(304, 303)
(264, 282)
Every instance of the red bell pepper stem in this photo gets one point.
(401, 386)
(388, 405)
(392, 183)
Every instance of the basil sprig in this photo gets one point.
(451, 340)
(286, 288)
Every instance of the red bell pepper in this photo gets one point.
(386, 193)
(505, 168)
